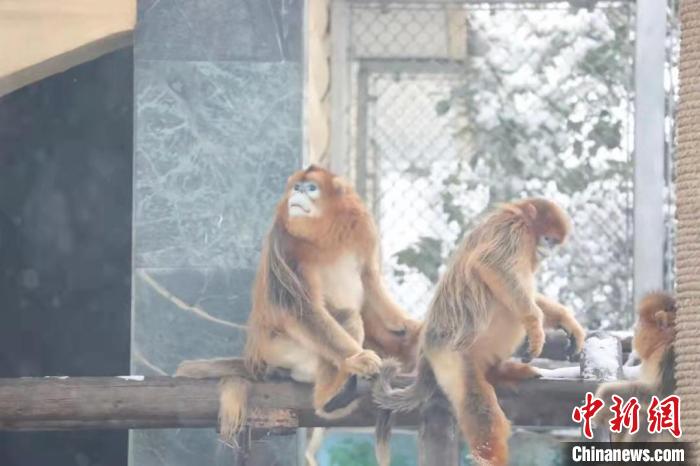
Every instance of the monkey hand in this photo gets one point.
(567, 322)
(535, 338)
(366, 363)
(577, 336)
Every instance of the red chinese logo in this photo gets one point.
(626, 415)
(665, 415)
(661, 415)
(586, 412)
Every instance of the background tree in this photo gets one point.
(547, 102)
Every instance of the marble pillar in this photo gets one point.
(218, 121)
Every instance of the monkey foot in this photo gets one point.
(347, 394)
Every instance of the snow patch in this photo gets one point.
(572, 372)
(138, 378)
(601, 355)
(621, 334)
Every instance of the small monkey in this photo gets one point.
(653, 340)
(318, 293)
(484, 307)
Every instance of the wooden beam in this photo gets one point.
(557, 343)
(165, 402)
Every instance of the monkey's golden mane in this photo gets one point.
(461, 303)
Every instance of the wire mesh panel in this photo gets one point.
(411, 158)
(456, 107)
(671, 86)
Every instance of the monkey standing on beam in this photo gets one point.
(484, 306)
(318, 294)
(653, 339)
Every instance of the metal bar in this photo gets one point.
(361, 136)
(340, 73)
(513, 3)
(649, 234)
(412, 65)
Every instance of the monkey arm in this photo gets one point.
(380, 308)
(388, 327)
(557, 315)
(507, 288)
(316, 327)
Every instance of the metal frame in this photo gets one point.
(581, 3)
(649, 115)
(368, 67)
(649, 147)
(340, 72)
(411, 65)
(361, 135)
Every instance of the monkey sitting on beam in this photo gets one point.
(318, 302)
(653, 340)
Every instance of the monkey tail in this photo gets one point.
(233, 390)
(392, 399)
(403, 399)
(382, 434)
(233, 405)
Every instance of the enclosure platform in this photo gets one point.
(135, 402)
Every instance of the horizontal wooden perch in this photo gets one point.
(135, 402)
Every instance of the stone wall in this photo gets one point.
(218, 120)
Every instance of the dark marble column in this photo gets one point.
(65, 244)
(218, 119)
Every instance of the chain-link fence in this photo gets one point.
(673, 40)
(455, 107)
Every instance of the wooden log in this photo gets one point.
(165, 402)
(438, 436)
(557, 342)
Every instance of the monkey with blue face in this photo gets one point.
(320, 310)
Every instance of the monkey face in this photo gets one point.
(307, 195)
(656, 324)
(546, 245)
(302, 199)
(313, 201)
(550, 224)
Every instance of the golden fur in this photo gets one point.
(484, 306)
(318, 290)
(653, 343)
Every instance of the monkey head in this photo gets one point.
(656, 324)
(313, 199)
(302, 199)
(548, 222)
